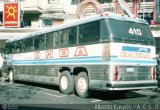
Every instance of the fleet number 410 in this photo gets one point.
(134, 31)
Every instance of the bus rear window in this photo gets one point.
(129, 31)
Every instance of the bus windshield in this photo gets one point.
(130, 32)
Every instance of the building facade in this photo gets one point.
(38, 14)
(42, 13)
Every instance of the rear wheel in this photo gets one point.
(81, 84)
(66, 82)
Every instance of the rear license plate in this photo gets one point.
(130, 69)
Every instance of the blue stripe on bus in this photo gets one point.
(134, 61)
(84, 60)
(73, 58)
(136, 49)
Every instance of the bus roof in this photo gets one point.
(78, 22)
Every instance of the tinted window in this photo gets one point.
(104, 32)
(73, 36)
(129, 29)
(68, 37)
(39, 42)
(10, 47)
(52, 40)
(28, 43)
(19, 46)
(73, 2)
(131, 32)
(89, 33)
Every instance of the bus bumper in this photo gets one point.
(125, 85)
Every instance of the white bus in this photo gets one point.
(101, 52)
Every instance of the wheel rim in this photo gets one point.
(64, 82)
(82, 84)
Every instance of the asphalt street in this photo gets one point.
(24, 95)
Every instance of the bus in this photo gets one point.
(105, 52)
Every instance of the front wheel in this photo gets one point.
(66, 82)
(81, 84)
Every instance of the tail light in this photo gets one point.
(153, 72)
(115, 73)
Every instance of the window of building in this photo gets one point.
(104, 1)
(27, 23)
(53, 1)
(89, 33)
(74, 2)
(1, 19)
(47, 22)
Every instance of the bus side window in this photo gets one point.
(36, 42)
(89, 33)
(104, 32)
(49, 40)
(7, 49)
(55, 39)
(10, 48)
(39, 42)
(42, 42)
(73, 36)
(64, 37)
(19, 46)
(28, 44)
(68, 36)
(52, 40)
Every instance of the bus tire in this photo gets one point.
(66, 82)
(81, 85)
